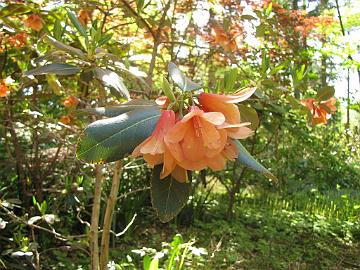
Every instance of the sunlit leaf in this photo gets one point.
(110, 78)
(61, 46)
(59, 69)
(168, 196)
(180, 79)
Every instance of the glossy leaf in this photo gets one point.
(168, 196)
(180, 79)
(113, 111)
(61, 46)
(59, 69)
(112, 139)
(325, 93)
(77, 24)
(110, 78)
(246, 159)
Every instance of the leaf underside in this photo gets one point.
(56, 68)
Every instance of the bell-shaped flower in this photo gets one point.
(196, 142)
(155, 151)
(320, 111)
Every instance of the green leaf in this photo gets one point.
(104, 39)
(77, 24)
(246, 159)
(154, 265)
(230, 79)
(260, 30)
(58, 30)
(248, 114)
(113, 111)
(168, 196)
(61, 46)
(167, 89)
(110, 78)
(146, 262)
(325, 93)
(247, 17)
(180, 79)
(111, 139)
(59, 69)
(14, 9)
(140, 5)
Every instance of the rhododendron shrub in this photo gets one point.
(184, 131)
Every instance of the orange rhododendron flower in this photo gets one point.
(223, 103)
(71, 101)
(84, 16)
(320, 110)
(196, 142)
(34, 22)
(223, 39)
(155, 151)
(18, 41)
(65, 119)
(3, 89)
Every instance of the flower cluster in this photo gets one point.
(34, 22)
(202, 138)
(320, 111)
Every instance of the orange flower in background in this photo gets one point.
(223, 39)
(71, 101)
(19, 40)
(320, 111)
(34, 22)
(196, 142)
(65, 119)
(3, 88)
(84, 16)
(155, 151)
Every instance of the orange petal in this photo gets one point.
(169, 164)
(234, 98)
(217, 163)
(153, 160)
(180, 174)
(215, 118)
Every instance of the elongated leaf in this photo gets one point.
(59, 69)
(112, 111)
(230, 79)
(111, 139)
(77, 24)
(167, 89)
(180, 79)
(245, 158)
(168, 196)
(110, 78)
(325, 93)
(61, 46)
